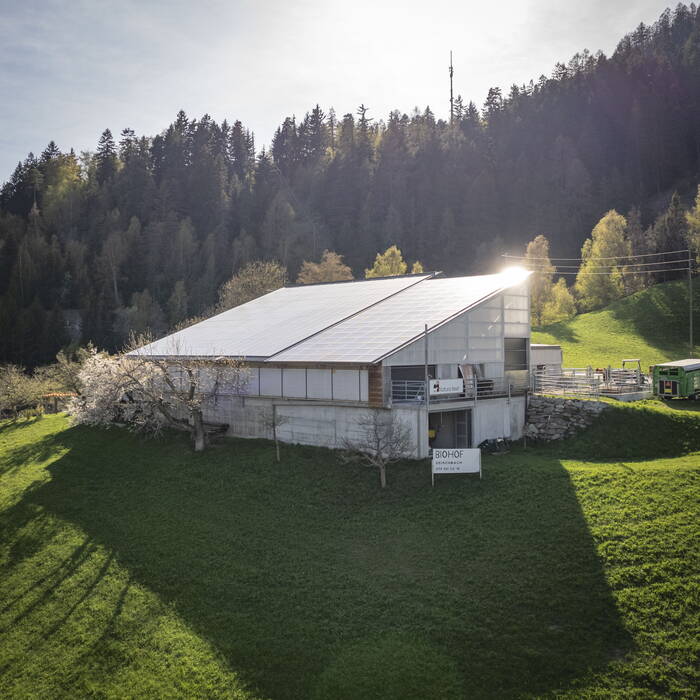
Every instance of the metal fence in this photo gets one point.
(586, 381)
(407, 390)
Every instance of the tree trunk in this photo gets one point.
(198, 432)
(382, 476)
(277, 449)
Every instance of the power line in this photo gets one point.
(542, 266)
(614, 257)
(634, 272)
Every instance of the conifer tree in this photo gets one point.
(177, 304)
(106, 157)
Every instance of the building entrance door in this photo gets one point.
(450, 428)
(461, 429)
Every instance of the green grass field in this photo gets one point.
(139, 569)
(651, 325)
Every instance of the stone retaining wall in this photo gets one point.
(550, 418)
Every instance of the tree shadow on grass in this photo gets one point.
(37, 451)
(659, 315)
(636, 431)
(294, 571)
(561, 331)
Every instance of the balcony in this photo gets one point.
(413, 391)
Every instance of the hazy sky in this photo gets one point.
(70, 69)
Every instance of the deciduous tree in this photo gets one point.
(148, 393)
(693, 220)
(330, 269)
(542, 278)
(600, 277)
(560, 306)
(385, 439)
(254, 280)
(387, 264)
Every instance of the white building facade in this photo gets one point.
(321, 356)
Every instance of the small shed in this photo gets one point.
(546, 358)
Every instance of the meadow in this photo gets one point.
(651, 325)
(134, 568)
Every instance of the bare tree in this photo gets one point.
(255, 279)
(384, 439)
(64, 374)
(149, 392)
(273, 420)
(19, 392)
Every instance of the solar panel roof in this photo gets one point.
(377, 331)
(278, 320)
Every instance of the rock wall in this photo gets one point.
(550, 418)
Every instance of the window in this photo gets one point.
(515, 353)
(412, 372)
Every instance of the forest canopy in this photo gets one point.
(143, 232)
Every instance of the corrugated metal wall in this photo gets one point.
(478, 334)
(303, 383)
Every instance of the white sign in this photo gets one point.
(455, 460)
(446, 386)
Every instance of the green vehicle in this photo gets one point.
(677, 379)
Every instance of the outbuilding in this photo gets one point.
(546, 358)
(448, 356)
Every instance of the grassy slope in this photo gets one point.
(651, 325)
(132, 568)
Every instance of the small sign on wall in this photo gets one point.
(456, 460)
(446, 386)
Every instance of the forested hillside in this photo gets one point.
(144, 230)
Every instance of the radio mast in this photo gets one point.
(452, 102)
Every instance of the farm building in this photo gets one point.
(324, 355)
(546, 358)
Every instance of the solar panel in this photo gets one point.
(378, 330)
(278, 320)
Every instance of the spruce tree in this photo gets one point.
(106, 157)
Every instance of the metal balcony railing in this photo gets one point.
(413, 391)
(407, 390)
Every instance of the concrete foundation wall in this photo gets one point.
(497, 418)
(328, 425)
(321, 424)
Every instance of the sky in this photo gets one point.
(71, 68)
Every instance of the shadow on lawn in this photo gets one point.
(312, 583)
(637, 431)
(659, 315)
(561, 331)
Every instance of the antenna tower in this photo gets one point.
(452, 102)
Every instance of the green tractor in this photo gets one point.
(679, 379)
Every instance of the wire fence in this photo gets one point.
(586, 381)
